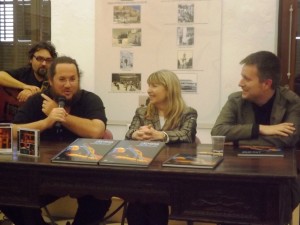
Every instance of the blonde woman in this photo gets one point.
(165, 118)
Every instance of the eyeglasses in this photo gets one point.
(42, 59)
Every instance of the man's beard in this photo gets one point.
(42, 72)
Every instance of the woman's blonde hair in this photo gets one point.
(176, 104)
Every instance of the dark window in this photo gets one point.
(22, 22)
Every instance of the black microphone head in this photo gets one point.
(61, 100)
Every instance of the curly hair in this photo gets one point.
(42, 45)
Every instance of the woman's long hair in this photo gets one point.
(176, 104)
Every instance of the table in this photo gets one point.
(240, 190)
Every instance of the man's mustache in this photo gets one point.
(42, 72)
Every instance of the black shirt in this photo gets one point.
(87, 105)
(26, 75)
(262, 115)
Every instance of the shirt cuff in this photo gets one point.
(166, 138)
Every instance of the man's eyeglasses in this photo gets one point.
(42, 59)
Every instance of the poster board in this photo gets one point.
(135, 38)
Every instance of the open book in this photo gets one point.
(186, 160)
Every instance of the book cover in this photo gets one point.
(28, 142)
(6, 138)
(85, 151)
(260, 151)
(132, 153)
(206, 161)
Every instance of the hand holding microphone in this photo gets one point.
(61, 100)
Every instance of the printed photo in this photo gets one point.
(126, 60)
(126, 37)
(185, 13)
(126, 82)
(185, 36)
(188, 82)
(184, 60)
(127, 14)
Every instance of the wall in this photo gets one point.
(247, 26)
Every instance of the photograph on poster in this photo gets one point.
(185, 59)
(126, 37)
(185, 13)
(161, 47)
(126, 60)
(126, 14)
(126, 82)
(188, 82)
(185, 36)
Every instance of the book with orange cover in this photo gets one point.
(28, 142)
(132, 153)
(85, 151)
(186, 160)
(6, 138)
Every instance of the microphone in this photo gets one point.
(61, 104)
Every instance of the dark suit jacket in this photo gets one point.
(237, 118)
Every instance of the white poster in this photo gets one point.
(136, 38)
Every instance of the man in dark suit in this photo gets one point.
(263, 113)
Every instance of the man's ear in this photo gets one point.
(268, 83)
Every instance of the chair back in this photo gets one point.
(197, 140)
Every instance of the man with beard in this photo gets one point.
(83, 115)
(29, 79)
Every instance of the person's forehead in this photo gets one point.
(42, 52)
(66, 68)
(250, 69)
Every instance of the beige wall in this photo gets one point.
(247, 26)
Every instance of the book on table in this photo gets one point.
(28, 142)
(186, 160)
(109, 152)
(132, 153)
(260, 151)
(6, 138)
(84, 151)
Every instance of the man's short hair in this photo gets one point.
(42, 45)
(62, 60)
(268, 66)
